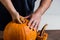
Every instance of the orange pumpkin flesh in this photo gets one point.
(15, 31)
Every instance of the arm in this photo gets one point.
(44, 5)
(9, 6)
(36, 16)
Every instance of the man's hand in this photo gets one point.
(17, 18)
(34, 21)
(10, 7)
(36, 16)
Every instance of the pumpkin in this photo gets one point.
(15, 31)
(42, 35)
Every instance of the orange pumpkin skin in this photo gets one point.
(14, 31)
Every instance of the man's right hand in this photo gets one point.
(17, 18)
(10, 7)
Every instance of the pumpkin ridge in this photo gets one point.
(24, 33)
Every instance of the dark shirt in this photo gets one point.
(24, 7)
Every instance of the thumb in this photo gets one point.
(27, 16)
(19, 21)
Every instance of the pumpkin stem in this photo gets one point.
(43, 30)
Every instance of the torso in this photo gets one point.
(24, 7)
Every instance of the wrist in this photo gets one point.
(14, 13)
(39, 12)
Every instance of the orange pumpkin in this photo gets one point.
(15, 31)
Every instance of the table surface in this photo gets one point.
(52, 34)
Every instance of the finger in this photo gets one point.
(13, 20)
(33, 24)
(22, 19)
(27, 16)
(36, 26)
(19, 21)
(30, 22)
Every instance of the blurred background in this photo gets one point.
(51, 16)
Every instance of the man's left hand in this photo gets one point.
(34, 21)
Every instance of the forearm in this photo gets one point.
(8, 4)
(44, 5)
